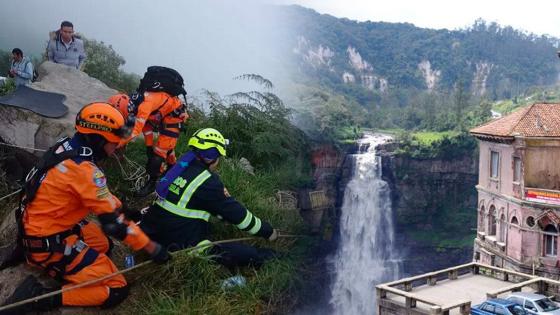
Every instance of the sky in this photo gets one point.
(536, 16)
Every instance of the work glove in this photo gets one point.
(160, 255)
(274, 235)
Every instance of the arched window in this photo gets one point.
(492, 221)
(503, 227)
(481, 219)
(514, 220)
(550, 240)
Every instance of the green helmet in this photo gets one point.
(204, 139)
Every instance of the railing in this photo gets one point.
(404, 287)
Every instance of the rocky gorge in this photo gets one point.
(434, 206)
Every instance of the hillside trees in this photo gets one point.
(104, 63)
(504, 61)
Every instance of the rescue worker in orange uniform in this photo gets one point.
(155, 107)
(59, 193)
(157, 112)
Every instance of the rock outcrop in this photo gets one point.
(25, 128)
(434, 202)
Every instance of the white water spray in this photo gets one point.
(366, 255)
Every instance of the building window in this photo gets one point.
(516, 169)
(550, 240)
(530, 221)
(503, 226)
(494, 164)
(492, 221)
(514, 221)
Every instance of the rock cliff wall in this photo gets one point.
(434, 201)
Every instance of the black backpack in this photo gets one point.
(162, 79)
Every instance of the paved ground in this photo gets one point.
(467, 287)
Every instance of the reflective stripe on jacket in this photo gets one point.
(182, 217)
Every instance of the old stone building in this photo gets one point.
(519, 191)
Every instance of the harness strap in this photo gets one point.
(169, 133)
(49, 244)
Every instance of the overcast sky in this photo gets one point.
(536, 16)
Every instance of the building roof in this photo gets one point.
(537, 120)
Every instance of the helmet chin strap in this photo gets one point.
(94, 146)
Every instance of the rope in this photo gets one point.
(131, 171)
(11, 194)
(147, 262)
(21, 147)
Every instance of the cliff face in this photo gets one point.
(434, 202)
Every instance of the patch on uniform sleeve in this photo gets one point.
(99, 179)
(102, 193)
(226, 193)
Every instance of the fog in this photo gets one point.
(209, 42)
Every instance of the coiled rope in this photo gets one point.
(145, 263)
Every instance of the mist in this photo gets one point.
(208, 42)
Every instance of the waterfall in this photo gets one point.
(366, 255)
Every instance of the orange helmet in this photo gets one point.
(120, 101)
(102, 119)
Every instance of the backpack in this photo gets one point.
(35, 72)
(162, 79)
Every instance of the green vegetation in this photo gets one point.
(8, 87)
(430, 145)
(193, 285)
(429, 137)
(533, 95)
(512, 62)
(105, 64)
(257, 124)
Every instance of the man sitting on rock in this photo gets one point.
(21, 69)
(65, 48)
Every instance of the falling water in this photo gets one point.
(366, 255)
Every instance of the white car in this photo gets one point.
(535, 303)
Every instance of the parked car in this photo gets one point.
(535, 303)
(498, 306)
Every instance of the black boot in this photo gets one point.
(29, 288)
(153, 166)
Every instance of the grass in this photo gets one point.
(428, 137)
(542, 94)
(192, 285)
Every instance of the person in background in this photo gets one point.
(65, 48)
(21, 69)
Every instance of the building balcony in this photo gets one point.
(490, 242)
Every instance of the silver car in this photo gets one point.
(535, 303)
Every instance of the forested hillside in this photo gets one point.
(411, 77)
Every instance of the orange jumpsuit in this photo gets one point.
(69, 192)
(163, 112)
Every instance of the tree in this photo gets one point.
(104, 63)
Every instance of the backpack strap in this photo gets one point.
(59, 152)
